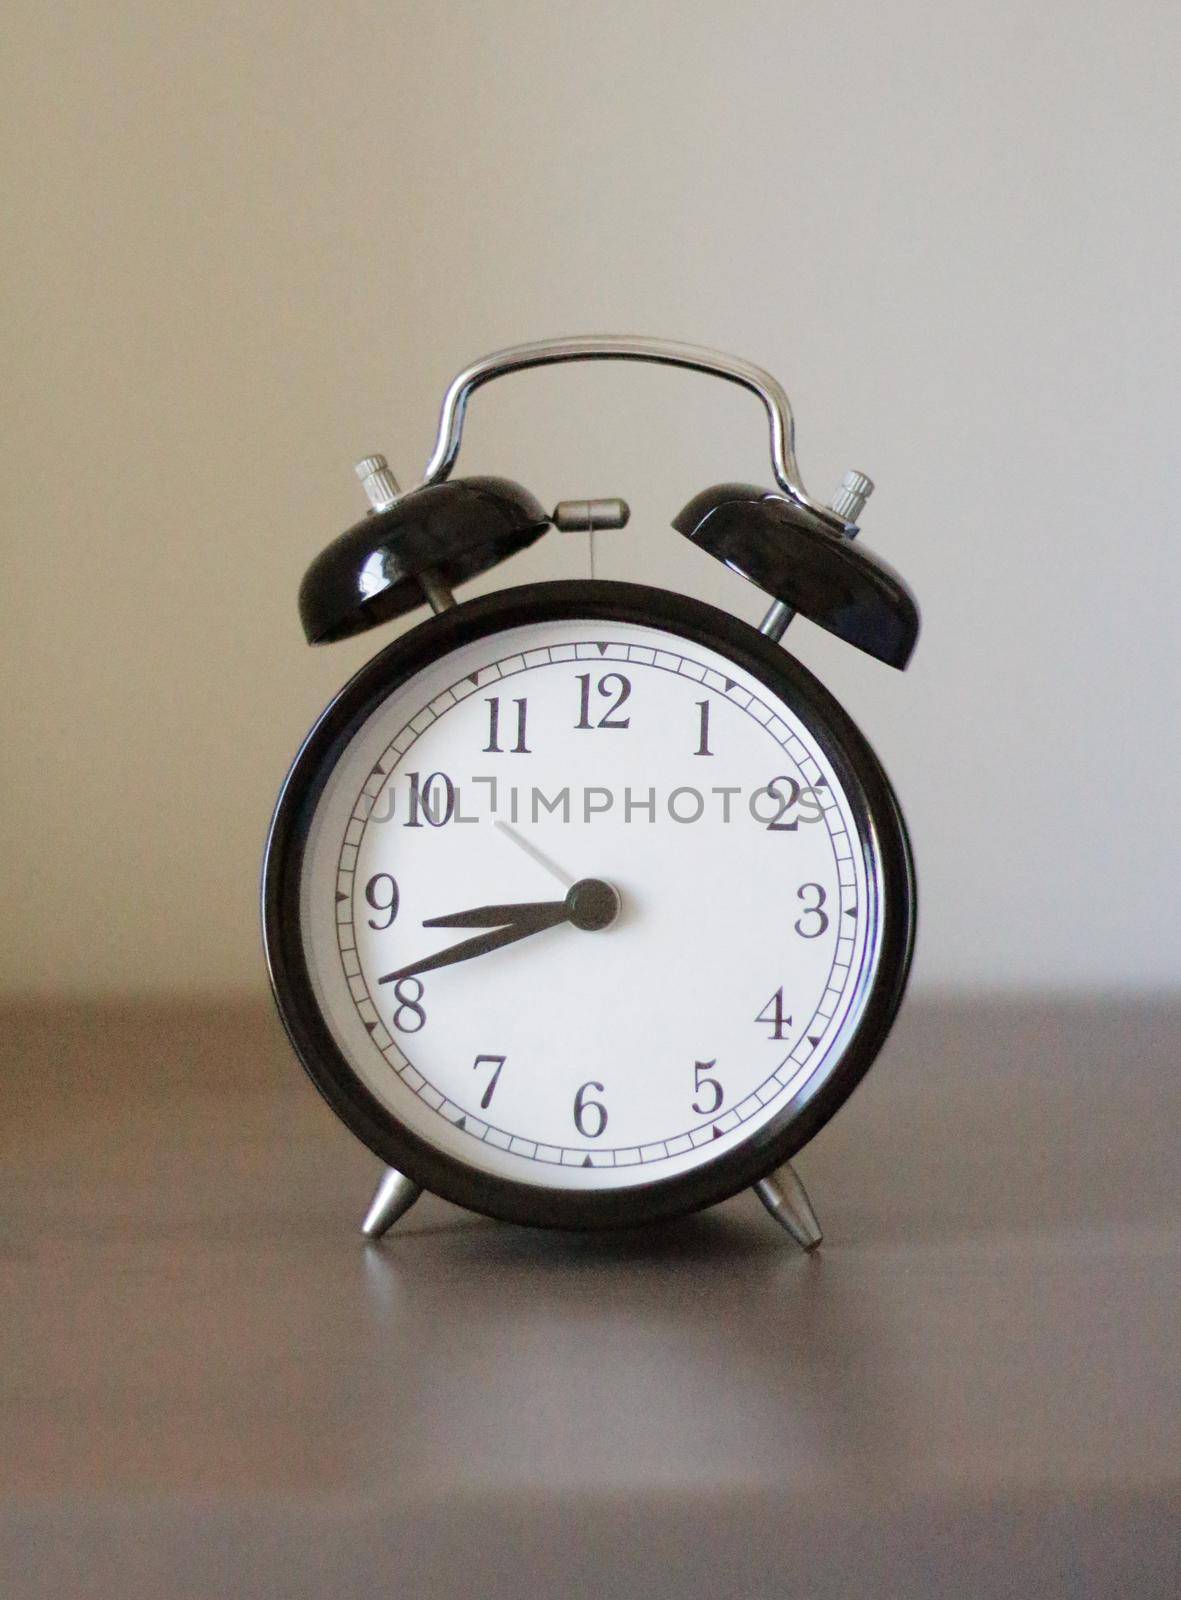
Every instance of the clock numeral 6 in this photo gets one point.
(590, 1116)
(409, 1005)
(382, 899)
(484, 1061)
(773, 1013)
(700, 1082)
(424, 802)
(814, 921)
(611, 683)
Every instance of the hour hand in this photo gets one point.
(498, 916)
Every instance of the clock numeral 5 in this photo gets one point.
(388, 901)
(611, 683)
(700, 1082)
(409, 1005)
(773, 1013)
(492, 748)
(483, 1061)
(590, 1116)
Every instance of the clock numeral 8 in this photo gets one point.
(409, 1003)
(593, 1111)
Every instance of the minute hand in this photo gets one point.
(522, 921)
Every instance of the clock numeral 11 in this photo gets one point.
(492, 748)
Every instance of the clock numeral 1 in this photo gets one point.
(388, 901)
(703, 748)
(611, 683)
(492, 748)
(482, 1061)
(702, 1081)
(590, 1116)
(773, 1013)
(409, 1005)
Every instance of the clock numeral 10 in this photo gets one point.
(425, 801)
(492, 748)
(611, 683)
(773, 1013)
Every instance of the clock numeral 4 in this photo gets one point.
(590, 1116)
(611, 683)
(493, 748)
(484, 1061)
(409, 1005)
(814, 921)
(774, 1013)
(701, 1081)
(382, 899)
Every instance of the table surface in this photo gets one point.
(212, 1386)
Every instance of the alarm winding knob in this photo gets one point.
(849, 500)
(378, 482)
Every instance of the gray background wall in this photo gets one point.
(247, 244)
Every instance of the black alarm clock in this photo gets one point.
(584, 903)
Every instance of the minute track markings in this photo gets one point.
(673, 665)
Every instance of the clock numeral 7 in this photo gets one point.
(492, 748)
(700, 1082)
(611, 683)
(773, 1013)
(483, 1061)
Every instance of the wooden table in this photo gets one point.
(212, 1387)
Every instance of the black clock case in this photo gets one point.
(876, 812)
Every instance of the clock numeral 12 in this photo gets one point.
(611, 683)
(492, 748)
(773, 1013)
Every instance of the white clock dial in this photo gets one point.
(587, 1057)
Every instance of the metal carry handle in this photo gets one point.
(547, 352)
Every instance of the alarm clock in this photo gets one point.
(584, 903)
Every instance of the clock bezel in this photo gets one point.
(875, 810)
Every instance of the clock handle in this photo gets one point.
(547, 352)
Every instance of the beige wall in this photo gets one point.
(248, 243)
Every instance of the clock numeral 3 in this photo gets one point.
(492, 748)
(814, 917)
(590, 1116)
(483, 1061)
(611, 683)
(773, 1013)
(409, 1005)
(424, 802)
(700, 1082)
(388, 901)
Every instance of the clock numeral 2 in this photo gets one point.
(492, 748)
(590, 1116)
(388, 902)
(409, 1005)
(611, 683)
(773, 1013)
(700, 1082)
(482, 1061)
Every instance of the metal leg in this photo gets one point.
(395, 1195)
(787, 1200)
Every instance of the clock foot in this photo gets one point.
(787, 1200)
(395, 1195)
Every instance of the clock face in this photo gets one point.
(587, 904)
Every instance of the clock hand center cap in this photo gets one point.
(592, 904)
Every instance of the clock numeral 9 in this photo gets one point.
(611, 683)
(814, 917)
(423, 800)
(590, 1116)
(700, 1082)
(382, 899)
(492, 748)
(483, 1061)
(409, 1005)
(773, 1013)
